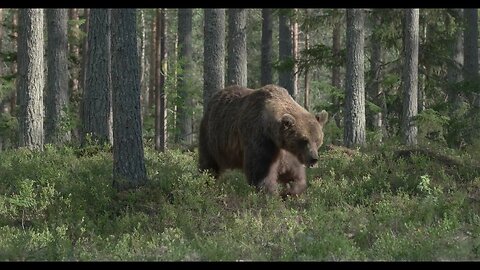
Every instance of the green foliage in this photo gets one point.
(375, 205)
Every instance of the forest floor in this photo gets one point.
(381, 204)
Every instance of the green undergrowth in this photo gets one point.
(373, 204)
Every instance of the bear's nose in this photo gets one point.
(312, 161)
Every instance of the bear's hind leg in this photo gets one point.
(208, 163)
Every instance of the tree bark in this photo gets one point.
(57, 78)
(336, 79)
(454, 68)
(84, 50)
(471, 51)
(214, 53)
(376, 92)
(237, 47)
(153, 54)
(1, 41)
(141, 49)
(97, 118)
(285, 74)
(160, 75)
(74, 52)
(13, 98)
(294, 25)
(306, 81)
(410, 76)
(129, 169)
(267, 50)
(354, 132)
(185, 104)
(31, 78)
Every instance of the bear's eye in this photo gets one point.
(303, 141)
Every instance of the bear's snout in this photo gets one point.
(312, 158)
(312, 161)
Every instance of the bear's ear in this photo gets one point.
(288, 121)
(322, 117)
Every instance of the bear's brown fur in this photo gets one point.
(264, 132)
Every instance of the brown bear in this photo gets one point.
(265, 133)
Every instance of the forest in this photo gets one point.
(100, 114)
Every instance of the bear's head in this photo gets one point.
(302, 135)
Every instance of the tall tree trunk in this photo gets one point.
(285, 50)
(77, 98)
(13, 98)
(214, 53)
(376, 93)
(57, 77)
(454, 68)
(84, 49)
(185, 104)
(267, 50)
(74, 51)
(31, 78)
(422, 68)
(410, 76)
(471, 51)
(237, 47)
(3, 106)
(97, 118)
(354, 132)
(129, 169)
(294, 25)
(153, 55)
(336, 80)
(306, 81)
(1, 41)
(141, 49)
(160, 73)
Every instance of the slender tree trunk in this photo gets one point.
(1, 41)
(3, 106)
(294, 26)
(422, 78)
(285, 49)
(153, 61)
(185, 104)
(214, 53)
(160, 73)
(354, 132)
(141, 49)
(129, 169)
(306, 80)
(57, 77)
(74, 52)
(84, 50)
(471, 51)
(13, 98)
(410, 76)
(237, 47)
(77, 98)
(376, 93)
(97, 118)
(174, 68)
(454, 68)
(336, 80)
(267, 50)
(31, 78)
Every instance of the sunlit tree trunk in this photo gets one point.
(354, 132)
(31, 78)
(214, 53)
(267, 50)
(129, 169)
(410, 76)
